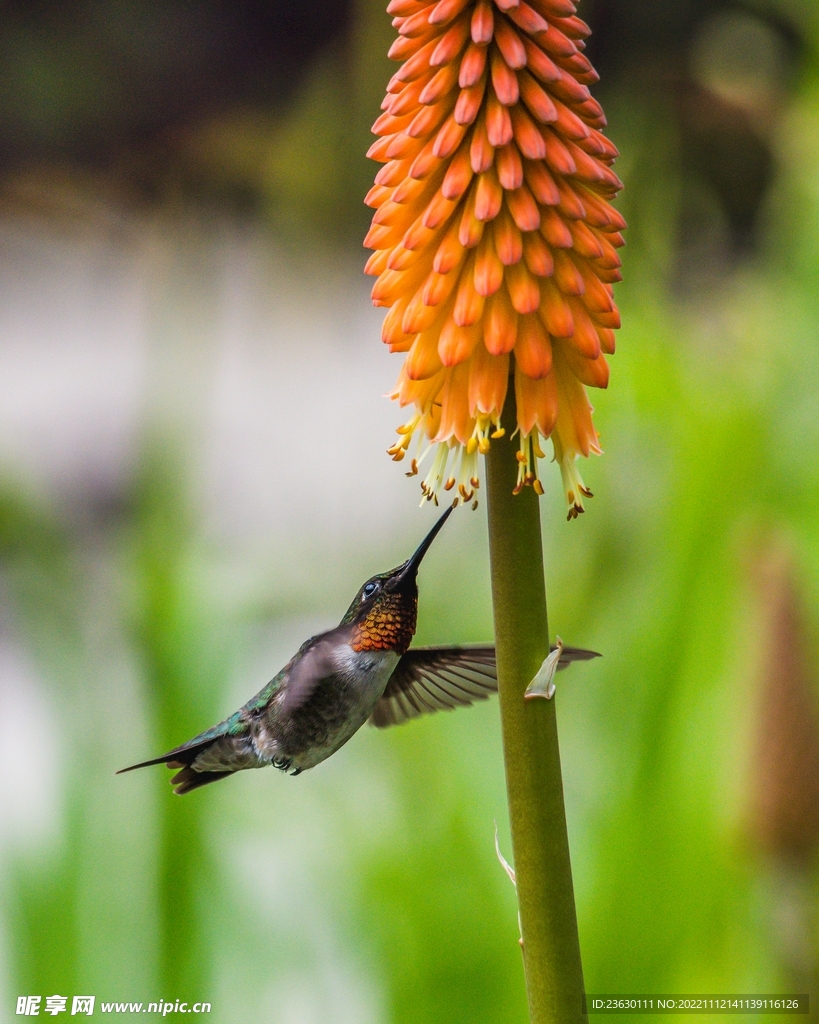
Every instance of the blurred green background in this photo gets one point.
(192, 480)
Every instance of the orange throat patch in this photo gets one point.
(389, 626)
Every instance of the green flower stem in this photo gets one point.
(540, 844)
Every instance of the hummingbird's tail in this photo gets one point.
(182, 757)
(208, 757)
(189, 778)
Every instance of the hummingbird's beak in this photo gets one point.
(410, 568)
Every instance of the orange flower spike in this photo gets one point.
(523, 208)
(599, 297)
(423, 360)
(498, 121)
(542, 184)
(537, 403)
(537, 255)
(419, 316)
(378, 262)
(554, 311)
(533, 350)
(537, 99)
(457, 343)
(584, 340)
(528, 138)
(501, 324)
(567, 276)
(488, 381)
(584, 241)
(455, 418)
(510, 167)
(594, 373)
(609, 319)
(572, 83)
(420, 166)
(570, 125)
(451, 43)
(470, 230)
(448, 139)
(406, 101)
(483, 23)
(488, 196)
(469, 302)
(558, 157)
(481, 151)
(412, 190)
(488, 274)
(510, 45)
(539, 64)
(469, 102)
(445, 10)
(428, 119)
(416, 24)
(609, 259)
(570, 206)
(472, 65)
(508, 240)
(495, 242)
(403, 8)
(438, 288)
(528, 19)
(439, 85)
(450, 252)
(393, 285)
(438, 211)
(558, 45)
(598, 214)
(392, 332)
(402, 259)
(377, 195)
(574, 432)
(555, 230)
(607, 340)
(575, 28)
(392, 173)
(391, 213)
(504, 81)
(610, 276)
(523, 288)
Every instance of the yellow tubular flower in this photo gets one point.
(495, 244)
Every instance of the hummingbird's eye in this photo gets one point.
(369, 590)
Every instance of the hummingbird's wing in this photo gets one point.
(571, 654)
(314, 662)
(428, 679)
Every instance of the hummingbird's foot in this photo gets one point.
(282, 763)
(296, 771)
(543, 683)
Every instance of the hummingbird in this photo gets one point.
(363, 669)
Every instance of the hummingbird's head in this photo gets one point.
(385, 610)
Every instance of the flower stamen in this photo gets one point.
(575, 489)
